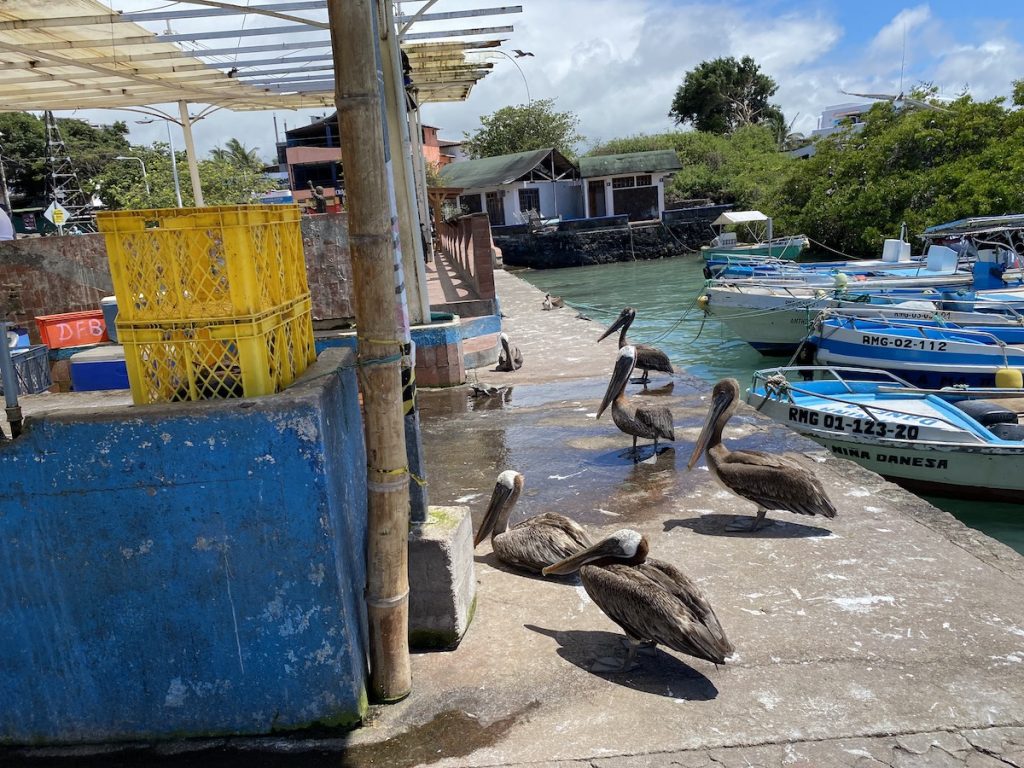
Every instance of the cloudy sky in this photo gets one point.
(617, 63)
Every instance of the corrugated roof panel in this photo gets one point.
(654, 161)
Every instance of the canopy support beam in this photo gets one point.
(190, 151)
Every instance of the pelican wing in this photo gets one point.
(688, 593)
(658, 421)
(636, 598)
(652, 359)
(540, 541)
(774, 482)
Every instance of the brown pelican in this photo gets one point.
(647, 422)
(653, 601)
(648, 358)
(771, 482)
(509, 358)
(535, 542)
(552, 302)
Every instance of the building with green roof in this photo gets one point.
(513, 189)
(632, 183)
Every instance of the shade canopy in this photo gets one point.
(78, 54)
(738, 217)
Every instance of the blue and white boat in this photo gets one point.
(966, 443)
(927, 354)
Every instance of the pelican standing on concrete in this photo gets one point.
(771, 482)
(648, 358)
(509, 358)
(648, 421)
(552, 302)
(653, 601)
(534, 543)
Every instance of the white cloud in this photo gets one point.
(617, 64)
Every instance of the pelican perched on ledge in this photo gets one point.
(552, 302)
(534, 543)
(771, 482)
(648, 358)
(648, 421)
(653, 601)
(509, 358)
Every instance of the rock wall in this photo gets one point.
(551, 250)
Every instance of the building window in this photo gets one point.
(529, 200)
(623, 181)
(471, 203)
(643, 181)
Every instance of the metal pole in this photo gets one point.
(3, 182)
(413, 262)
(380, 343)
(10, 382)
(190, 149)
(140, 161)
(174, 166)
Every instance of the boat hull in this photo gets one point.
(786, 248)
(911, 441)
(927, 358)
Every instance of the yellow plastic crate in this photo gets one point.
(219, 262)
(213, 359)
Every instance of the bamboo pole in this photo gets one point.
(380, 342)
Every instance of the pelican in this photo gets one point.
(771, 482)
(647, 422)
(535, 542)
(510, 358)
(648, 358)
(552, 302)
(653, 601)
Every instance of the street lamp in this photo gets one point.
(174, 160)
(5, 197)
(145, 176)
(528, 99)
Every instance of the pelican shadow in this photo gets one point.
(714, 525)
(657, 672)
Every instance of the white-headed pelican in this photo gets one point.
(653, 601)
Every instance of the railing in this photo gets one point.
(467, 245)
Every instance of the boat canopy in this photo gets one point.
(738, 217)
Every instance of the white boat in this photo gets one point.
(955, 442)
(759, 228)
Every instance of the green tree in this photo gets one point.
(524, 127)
(237, 154)
(915, 165)
(23, 144)
(722, 95)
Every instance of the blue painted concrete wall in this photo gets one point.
(438, 334)
(185, 570)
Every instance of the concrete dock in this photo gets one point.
(889, 636)
(892, 635)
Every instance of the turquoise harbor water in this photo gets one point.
(663, 293)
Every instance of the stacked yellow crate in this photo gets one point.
(212, 302)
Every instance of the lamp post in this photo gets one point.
(528, 99)
(6, 199)
(174, 160)
(145, 176)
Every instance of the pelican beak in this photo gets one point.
(603, 549)
(619, 321)
(620, 377)
(501, 497)
(719, 404)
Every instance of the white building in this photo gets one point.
(631, 184)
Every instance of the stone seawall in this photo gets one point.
(551, 250)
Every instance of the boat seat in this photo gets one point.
(1008, 431)
(987, 413)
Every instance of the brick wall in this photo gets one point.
(51, 275)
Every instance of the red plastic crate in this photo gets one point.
(72, 329)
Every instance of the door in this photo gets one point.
(496, 209)
(595, 199)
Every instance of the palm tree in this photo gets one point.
(236, 153)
